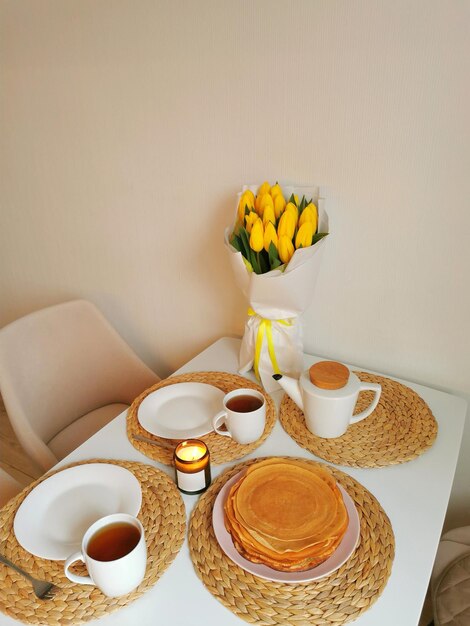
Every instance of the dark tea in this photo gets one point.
(244, 403)
(113, 541)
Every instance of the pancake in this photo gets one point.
(288, 503)
(286, 514)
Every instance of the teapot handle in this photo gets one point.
(377, 389)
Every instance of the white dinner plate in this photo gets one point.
(180, 411)
(52, 519)
(340, 555)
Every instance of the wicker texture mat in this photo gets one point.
(401, 428)
(222, 449)
(338, 598)
(163, 516)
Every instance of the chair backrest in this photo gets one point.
(60, 363)
(9, 487)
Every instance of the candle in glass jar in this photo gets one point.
(192, 465)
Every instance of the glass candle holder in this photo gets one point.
(192, 466)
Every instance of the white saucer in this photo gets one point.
(52, 519)
(180, 411)
(340, 556)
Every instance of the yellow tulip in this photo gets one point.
(264, 188)
(257, 236)
(286, 225)
(250, 219)
(265, 201)
(250, 196)
(304, 235)
(247, 199)
(296, 199)
(260, 201)
(279, 205)
(268, 215)
(276, 190)
(290, 206)
(309, 214)
(270, 235)
(285, 248)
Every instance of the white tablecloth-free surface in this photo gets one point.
(414, 495)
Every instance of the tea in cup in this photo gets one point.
(244, 416)
(115, 554)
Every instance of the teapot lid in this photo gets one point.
(329, 375)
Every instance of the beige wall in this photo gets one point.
(127, 127)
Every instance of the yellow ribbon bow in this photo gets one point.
(265, 328)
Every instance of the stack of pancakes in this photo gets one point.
(286, 514)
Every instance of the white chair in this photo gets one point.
(9, 487)
(64, 374)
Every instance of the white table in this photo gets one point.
(414, 495)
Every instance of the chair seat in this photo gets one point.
(453, 543)
(451, 598)
(83, 428)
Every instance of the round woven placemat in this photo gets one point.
(338, 598)
(163, 516)
(222, 449)
(400, 428)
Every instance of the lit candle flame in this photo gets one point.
(190, 452)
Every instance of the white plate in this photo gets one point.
(180, 411)
(52, 519)
(341, 554)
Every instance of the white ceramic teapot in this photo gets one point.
(327, 394)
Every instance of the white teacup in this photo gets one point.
(244, 416)
(115, 554)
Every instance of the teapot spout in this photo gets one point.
(292, 387)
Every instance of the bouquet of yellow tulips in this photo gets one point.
(269, 229)
(275, 246)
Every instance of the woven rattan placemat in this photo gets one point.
(222, 449)
(163, 516)
(338, 598)
(400, 428)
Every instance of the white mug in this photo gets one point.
(115, 574)
(244, 416)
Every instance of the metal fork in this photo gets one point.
(42, 589)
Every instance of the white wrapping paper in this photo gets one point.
(280, 297)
